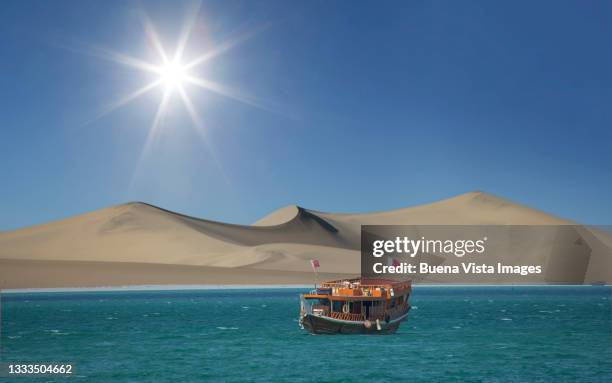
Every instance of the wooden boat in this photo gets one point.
(355, 306)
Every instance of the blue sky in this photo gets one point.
(360, 106)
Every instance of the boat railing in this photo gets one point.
(367, 283)
(374, 313)
(346, 316)
(358, 292)
(356, 285)
(354, 289)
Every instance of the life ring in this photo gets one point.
(345, 308)
(367, 324)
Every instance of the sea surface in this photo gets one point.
(453, 334)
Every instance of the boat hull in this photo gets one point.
(325, 325)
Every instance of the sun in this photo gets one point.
(173, 75)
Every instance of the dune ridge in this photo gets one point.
(138, 233)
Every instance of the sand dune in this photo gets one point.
(284, 241)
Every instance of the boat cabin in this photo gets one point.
(358, 300)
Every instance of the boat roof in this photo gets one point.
(361, 289)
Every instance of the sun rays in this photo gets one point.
(172, 73)
(176, 77)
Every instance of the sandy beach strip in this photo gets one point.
(34, 274)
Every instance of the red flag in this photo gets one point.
(314, 263)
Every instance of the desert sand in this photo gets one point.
(137, 243)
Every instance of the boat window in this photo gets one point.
(318, 301)
(337, 306)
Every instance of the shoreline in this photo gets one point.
(152, 288)
(242, 287)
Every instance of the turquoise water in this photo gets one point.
(454, 334)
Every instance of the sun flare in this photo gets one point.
(172, 72)
(173, 75)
